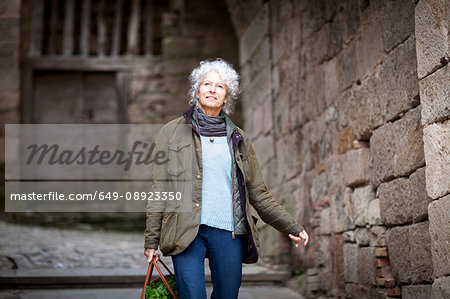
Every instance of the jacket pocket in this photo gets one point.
(168, 231)
(179, 158)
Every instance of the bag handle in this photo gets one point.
(154, 261)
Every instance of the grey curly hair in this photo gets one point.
(226, 72)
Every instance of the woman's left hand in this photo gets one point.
(302, 236)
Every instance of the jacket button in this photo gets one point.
(197, 204)
(198, 176)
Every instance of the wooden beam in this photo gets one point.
(68, 28)
(101, 34)
(76, 63)
(85, 28)
(133, 29)
(37, 20)
(148, 27)
(53, 27)
(117, 31)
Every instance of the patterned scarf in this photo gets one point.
(211, 126)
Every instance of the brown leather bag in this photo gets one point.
(154, 261)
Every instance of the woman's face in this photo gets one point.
(212, 94)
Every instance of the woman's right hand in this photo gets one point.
(149, 254)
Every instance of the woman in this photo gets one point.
(225, 181)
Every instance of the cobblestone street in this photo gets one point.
(31, 247)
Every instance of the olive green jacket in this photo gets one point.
(173, 231)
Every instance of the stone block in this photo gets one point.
(431, 26)
(397, 22)
(367, 266)
(398, 243)
(314, 102)
(419, 197)
(438, 213)
(394, 198)
(362, 236)
(337, 277)
(318, 187)
(364, 102)
(337, 35)
(360, 204)
(264, 148)
(254, 35)
(257, 90)
(397, 148)
(341, 213)
(441, 288)
(369, 46)
(289, 160)
(267, 120)
(436, 139)
(335, 174)
(351, 19)
(346, 66)
(260, 58)
(355, 165)
(377, 236)
(399, 69)
(316, 46)
(357, 291)
(345, 140)
(404, 200)
(331, 81)
(374, 212)
(351, 262)
(420, 253)
(281, 38)
(369, 107)
(435, 97)
(327, 143)
(324, 261)
(325, 221)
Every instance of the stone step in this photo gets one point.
(102, 278)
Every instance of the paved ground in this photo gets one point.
(31, 247)
(48, 252)
(256, 292)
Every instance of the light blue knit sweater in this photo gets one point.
(216, 186)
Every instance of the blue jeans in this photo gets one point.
(225, 262)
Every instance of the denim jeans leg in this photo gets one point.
(189, 267)
(225, 261)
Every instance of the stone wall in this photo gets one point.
(9, 71)
(433, 54)
(332, 104)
